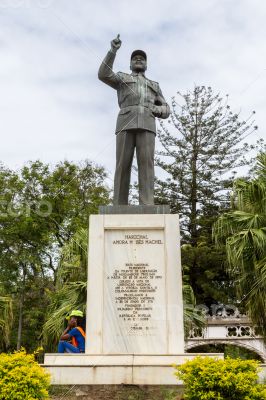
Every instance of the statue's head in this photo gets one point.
(138, 61)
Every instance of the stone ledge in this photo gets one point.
(116, 369)
(55, 359)
(141, 209)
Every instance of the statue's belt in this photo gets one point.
(129, 108)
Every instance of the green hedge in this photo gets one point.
(21, 378)
(213, 379)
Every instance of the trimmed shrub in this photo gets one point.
(21, 378)
(213, 379)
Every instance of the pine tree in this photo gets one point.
(200, 156)
(201, 149)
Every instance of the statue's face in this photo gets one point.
(138, 63)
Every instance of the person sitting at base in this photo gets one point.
(72, 339)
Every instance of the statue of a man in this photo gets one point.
(140, 101)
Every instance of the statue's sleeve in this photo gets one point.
(106, 73)
(162, 108)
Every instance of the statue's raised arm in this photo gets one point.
(106, 73)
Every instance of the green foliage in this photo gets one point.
(21, 378)
(41, 208)
(208, 265)
(6, 319)
(213, 379)
(192, 316)
(231, 351)
(243, 231)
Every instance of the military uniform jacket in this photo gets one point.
(140, 99)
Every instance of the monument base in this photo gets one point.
(122, 369)
(135, 330)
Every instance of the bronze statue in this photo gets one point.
(140, 101)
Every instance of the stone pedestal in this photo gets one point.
(134, 285)
(134, 308)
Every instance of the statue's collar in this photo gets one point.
(138, 74)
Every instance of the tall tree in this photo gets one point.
(40, 210)
(205, 146)
(243, 230)
(200, 150)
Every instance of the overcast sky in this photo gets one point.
(52, 105)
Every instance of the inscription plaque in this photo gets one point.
(134, 292)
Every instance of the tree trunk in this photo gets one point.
(21, 304)
(194, 189)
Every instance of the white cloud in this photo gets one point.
(53, 107)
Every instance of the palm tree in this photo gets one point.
(244, 232)
(71, 286)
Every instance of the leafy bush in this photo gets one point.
(21, 378)
(213, 379)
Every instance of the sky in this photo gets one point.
(52, 105)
